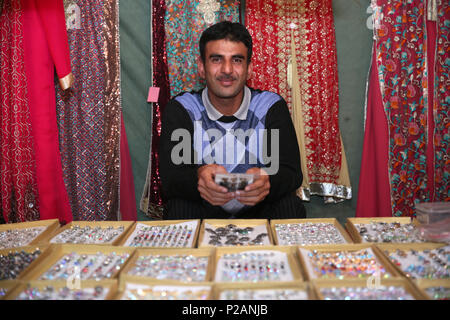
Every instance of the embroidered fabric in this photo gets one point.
(306, 27)
(404, 73)
(18, 178)
(177, 26)
(184, 24)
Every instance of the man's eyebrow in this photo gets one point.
(215, 55)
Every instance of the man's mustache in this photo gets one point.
(226, 78)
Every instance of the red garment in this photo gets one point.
(46, 48)
(374, 198)
(17, 166)
(34, 41)
(374, 193)
(272, 25)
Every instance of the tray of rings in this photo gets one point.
(234, 232)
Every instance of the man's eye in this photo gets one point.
(215, 59)
(237, 60)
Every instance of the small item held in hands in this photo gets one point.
(234, 181)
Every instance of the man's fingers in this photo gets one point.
(215, 198)
(215, 187)
(253, 200)
(259, 182)
(254, 196)
(210, 184)
(254, 189)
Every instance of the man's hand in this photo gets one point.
(209, 190)
(257, 191)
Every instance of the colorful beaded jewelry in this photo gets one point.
(389, 232)
(143, 292)
(343, 264)
(64, 293)
(86, 266)
(254, 266)
(264, 294)
(426, 264)
(438, 293)
(172, 235)
(366, 293)
(186, 268)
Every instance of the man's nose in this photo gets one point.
(227, 67)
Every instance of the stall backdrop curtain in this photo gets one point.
(144, 202)
(281, 30)
(177, 27)
(407, 109)
(33, 44)
(92, 137)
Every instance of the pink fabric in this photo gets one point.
(431, 42)
(374, 191)
(46, 47)
(127, 196)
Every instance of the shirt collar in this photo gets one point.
(214, 115)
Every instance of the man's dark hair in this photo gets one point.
(233, 31)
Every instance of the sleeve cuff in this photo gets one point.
(67, 81)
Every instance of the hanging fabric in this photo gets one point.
(441, 102)
(152, 201)
(144, 203)
(33, 43)
(304, 30)
(407, 88)
(184, 24)
(373, 189)
(176, 62)
(89, 115)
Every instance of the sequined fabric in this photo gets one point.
(161, 80)
(184, 24)
(19, 200)
(310, 23)
(89, 113)
(403, 74)
(113, 106)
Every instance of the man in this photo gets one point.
(228, 128)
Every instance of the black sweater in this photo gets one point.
(181, 181)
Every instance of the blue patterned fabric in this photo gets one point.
(221, 145)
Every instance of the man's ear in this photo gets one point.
(200, 68)
(249, 71)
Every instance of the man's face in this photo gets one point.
(225, 69)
